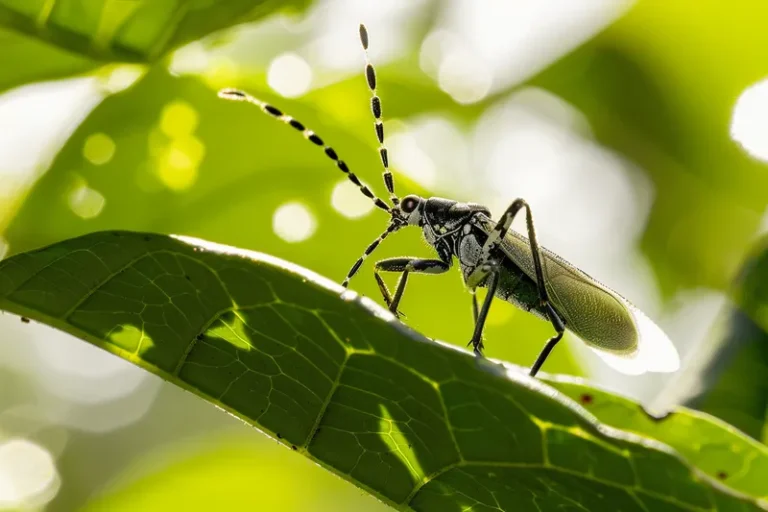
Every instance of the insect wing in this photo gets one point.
(618, 332)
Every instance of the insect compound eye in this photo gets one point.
(409, 204)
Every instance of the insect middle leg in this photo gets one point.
(404, 266)
(491, 272)
(491, 246)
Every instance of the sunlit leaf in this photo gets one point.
(138, 31)
(716, 448)
(418, 424)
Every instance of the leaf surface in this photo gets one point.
(419, 424)
(715, 447)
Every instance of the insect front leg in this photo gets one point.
(491, 246)
(404, 266)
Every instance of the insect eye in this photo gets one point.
(409, 204)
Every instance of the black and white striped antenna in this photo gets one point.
(370, 76)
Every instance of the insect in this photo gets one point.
(491, 255)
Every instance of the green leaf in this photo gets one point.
(24, 60)
(711, 445)
(419, 424)
(137, 30)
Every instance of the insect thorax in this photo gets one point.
(448, 228)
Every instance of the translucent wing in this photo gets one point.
(619, 333)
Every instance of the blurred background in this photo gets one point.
(638, 132)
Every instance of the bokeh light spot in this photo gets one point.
(221, 72)
(28, 476)
(99, 148)
(348, 201)
(411, 159)
(749, 125)
(293, 222)
(465, 77)
(178, 119)
(122, 77)
(179, 162)
(289, 75)
(190, 59)
(86, 202)
(432, 49)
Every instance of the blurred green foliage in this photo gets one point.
(33, 61)
(658, 87)
(416, 423)
(238, 472)
(727, 377)
(135, 31)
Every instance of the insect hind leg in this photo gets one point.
(491, 246)
(559, 326)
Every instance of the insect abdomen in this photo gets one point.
(517, 288)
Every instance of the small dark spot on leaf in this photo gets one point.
(115, 233)
(293, 447)
(25, 320)
(187, 278)
(586, 399)
(722, 475)
(146, 238)
(199, 337)
(278, 435)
